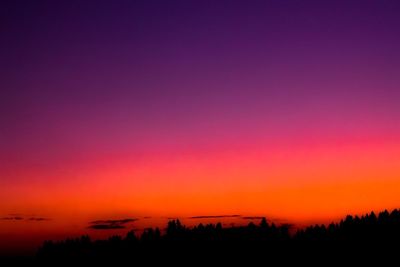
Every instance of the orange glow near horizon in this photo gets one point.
(304, 184)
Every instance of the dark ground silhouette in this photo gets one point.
(354, 240)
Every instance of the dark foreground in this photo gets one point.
(355, 240)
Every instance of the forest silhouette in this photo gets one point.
(355, 239)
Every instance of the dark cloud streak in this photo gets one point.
(110, 224)
(214, 216)
(123, 221)
(38, 219)
(106, 226)
(14, 217)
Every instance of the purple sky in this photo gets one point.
(196, 107)
(100, 67)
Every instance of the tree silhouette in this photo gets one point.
(354, 237)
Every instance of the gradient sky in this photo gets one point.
(136, 109)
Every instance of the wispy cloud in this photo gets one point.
(20, 217)
(106, 226)
(253, 217)
(122, 221)
(38, 219)
(214, 216)
(12, 218)
(110, 224)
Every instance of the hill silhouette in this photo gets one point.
(354, 239)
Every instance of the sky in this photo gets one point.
(142, 111)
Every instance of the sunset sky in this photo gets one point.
(149, 110)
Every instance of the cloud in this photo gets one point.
(19, 217)
(123, 221)
(214, 216)
(253, 217)
(38, 219)
(110, 224)
(13, 218)
(106, 226)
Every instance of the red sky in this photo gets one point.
(134, 110)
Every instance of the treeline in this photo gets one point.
(359, 239)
